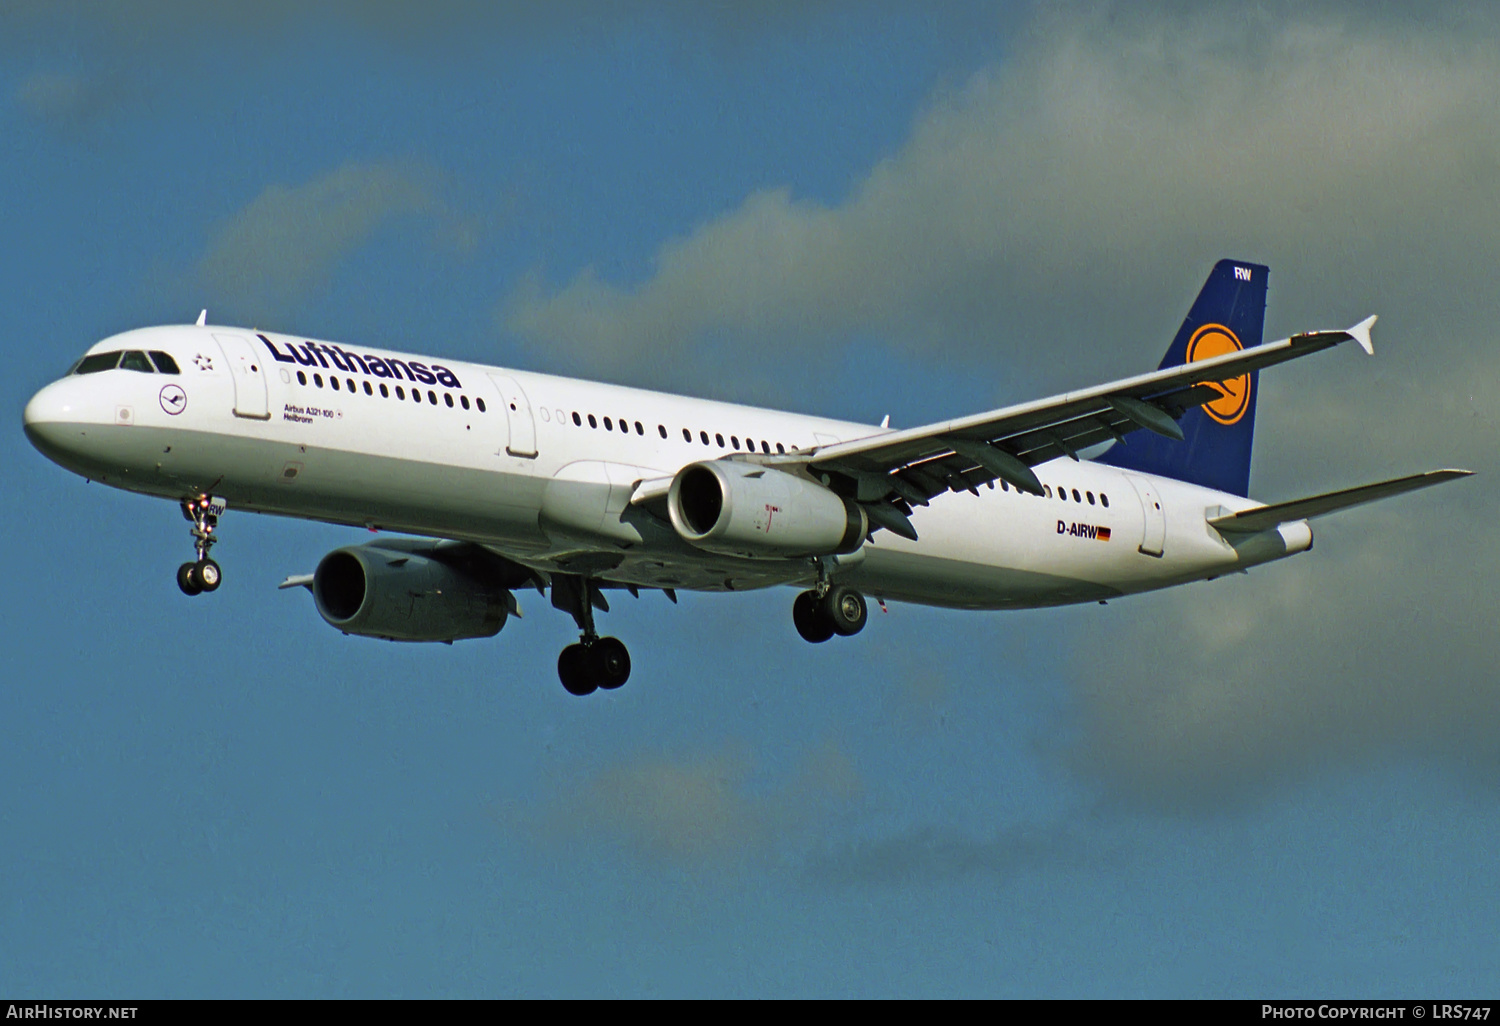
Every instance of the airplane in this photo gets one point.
(500, 479)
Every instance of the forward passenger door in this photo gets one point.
(250, 398)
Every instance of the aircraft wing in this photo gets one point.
(1263, 518)
(911, 466)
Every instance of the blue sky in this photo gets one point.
(1283, 783)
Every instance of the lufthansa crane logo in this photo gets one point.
(173, 399)
(1234, 394)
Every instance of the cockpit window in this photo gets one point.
(164, 362)
(98, 362)
(136, 360)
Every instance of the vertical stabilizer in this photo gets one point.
(1229, 314)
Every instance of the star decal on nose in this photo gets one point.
(205, 363)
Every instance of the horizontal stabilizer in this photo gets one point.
(1263, 518)
(297, 581)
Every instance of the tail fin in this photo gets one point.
(1229, 314)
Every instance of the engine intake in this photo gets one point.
(404, 595)
(743, 509)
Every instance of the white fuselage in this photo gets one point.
(541, 469)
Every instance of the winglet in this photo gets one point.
(1361, 334)
(203, 317)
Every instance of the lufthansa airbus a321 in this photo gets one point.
(504, 480)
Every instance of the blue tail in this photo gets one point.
(1228, 314)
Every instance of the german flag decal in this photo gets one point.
(1103, 534)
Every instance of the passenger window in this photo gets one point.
(720, 439)
(641, 431)
(432, 397)
(624, 426)
(1104, 499)
(592, 422)
(687, 436)
(734, 440)
(703, 435)
(368, 389)
(1003, 486)
(448, 400)
(779, 449)
(98, 362)
(577, 420)
(479, 403)
(662, 429)
(302, 378)
(318, 380)
(400, 392)
(765, 447)
(164, 362)
(464, 400)
(1076, 496)
(607, 425)
(416, 395)
(1091, 497)
(384, 392)
(1047, 490)
(333, 382)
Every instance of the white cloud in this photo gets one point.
(58, 96)
(711, 808)
(1069, 193)
(286, 243)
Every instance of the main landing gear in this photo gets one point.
(839, 609)
(593, 662)
(204, 574)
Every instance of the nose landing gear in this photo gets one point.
(203, 574)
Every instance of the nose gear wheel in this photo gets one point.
(203, 574)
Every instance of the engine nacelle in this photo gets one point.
(744, 509)
(403, 595)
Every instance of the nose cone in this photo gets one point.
(50, 418)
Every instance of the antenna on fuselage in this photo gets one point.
(202, 317)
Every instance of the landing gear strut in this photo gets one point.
(593, 662)
(839, 610)
(204, 574)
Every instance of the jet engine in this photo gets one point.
(744, 509)
(415, 591)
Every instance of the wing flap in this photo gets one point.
(1264, 518)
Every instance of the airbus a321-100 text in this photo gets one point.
(505, 480)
